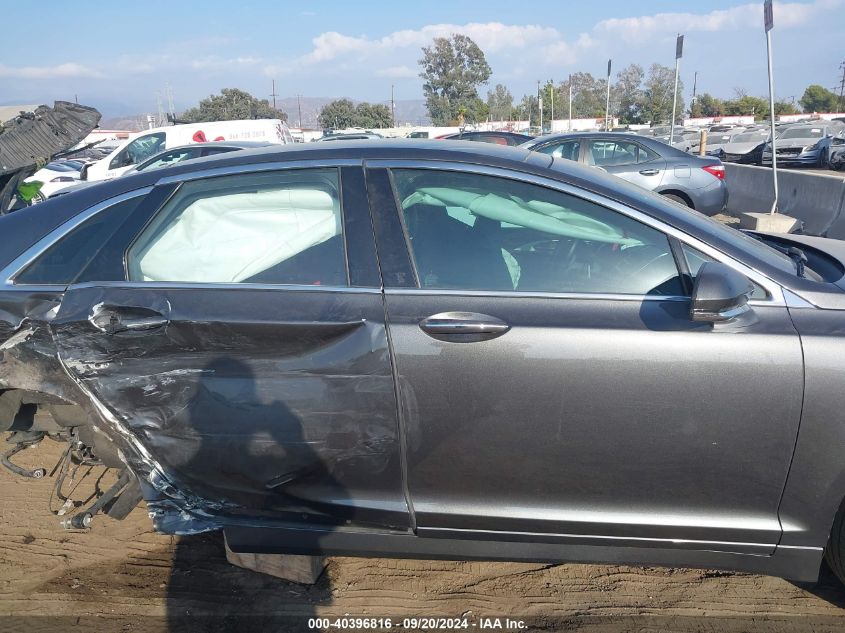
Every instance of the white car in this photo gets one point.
(57, 175)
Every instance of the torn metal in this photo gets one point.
(34, 138)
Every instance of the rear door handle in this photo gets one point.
(463, 327)
(115, 319)
(649, 172)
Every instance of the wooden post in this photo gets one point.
(702, 143)
(302, 569)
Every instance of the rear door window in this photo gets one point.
(273, 228)
(567, 150)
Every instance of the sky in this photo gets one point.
(117, 55)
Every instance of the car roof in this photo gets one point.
(235, 144)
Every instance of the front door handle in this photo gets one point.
(463, 327)
(649, 172)
(115, 319)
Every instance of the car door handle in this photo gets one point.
(115, 319)
(649, 172)
(463, 327)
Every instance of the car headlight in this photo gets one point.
(816, 145)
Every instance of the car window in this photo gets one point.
(696, 259)
(61, 263)
(139, 150)
(474, 232)
(802, 132)
(169, 158)
(605, 153)
(491, 138)
(274, 228)
(567, 150)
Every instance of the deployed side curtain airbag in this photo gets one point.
(533, 214)
(230, 238)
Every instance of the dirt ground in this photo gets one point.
(120, 576)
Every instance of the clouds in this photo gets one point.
(746, 16)
(61, 71)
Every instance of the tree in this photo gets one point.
(338, 114)
(500, 103)
(747, 104)
(785, 107)
(657, 95)
(372, 115)
(706, 105)
(627, 94)
(232, 104)
(452, 70)
(819, 99)
(342, 113)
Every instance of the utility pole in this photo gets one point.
(679, 51)
(299, 106)
(392, 108)
(552, 103)
(769, 22)
(570, 102)
(607, 103)
(842, 89)
(540, 105)
(694, 86)
(273, 94)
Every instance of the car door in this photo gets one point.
(552, 384)
(628, 160)
(235, 347)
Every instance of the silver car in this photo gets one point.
(697, 182)
(805, 144)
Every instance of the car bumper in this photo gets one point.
(711, 199)
(802, 157)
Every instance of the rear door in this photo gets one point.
(628, 160)
(236, 347)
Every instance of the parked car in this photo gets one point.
(55, 176)
(497, 138)
(429, 349)
(194, 150)
(805, 144)
(694, 181)
(745, 147)
(837, 154)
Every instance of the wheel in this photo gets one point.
(824, 159)
(834, 553)
(678, 199)
(837, 166)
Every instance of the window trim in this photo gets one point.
(30, 255)
(775, 290)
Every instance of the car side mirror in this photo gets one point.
(720, 293)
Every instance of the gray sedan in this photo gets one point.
(435, 350)
(697, 182)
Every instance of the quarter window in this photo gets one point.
(274, 228)
(567, 150)
(474, 232)
(60, 264)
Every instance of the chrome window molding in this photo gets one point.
(775, 290)
(261, 167)
(517, 294)
(22, 261)
(187, 285)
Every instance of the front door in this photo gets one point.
(244, 358)
(551, 381)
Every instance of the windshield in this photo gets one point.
(802, 132)
(750, 137)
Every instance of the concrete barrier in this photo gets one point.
(818, 201)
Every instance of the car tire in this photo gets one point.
(678, 199)
(824, 160)
(834, 553)
(837, 166)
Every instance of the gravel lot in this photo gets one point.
(121, 576)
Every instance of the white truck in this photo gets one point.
(142, 145)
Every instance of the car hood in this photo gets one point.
(797, 142)
(741, 148)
